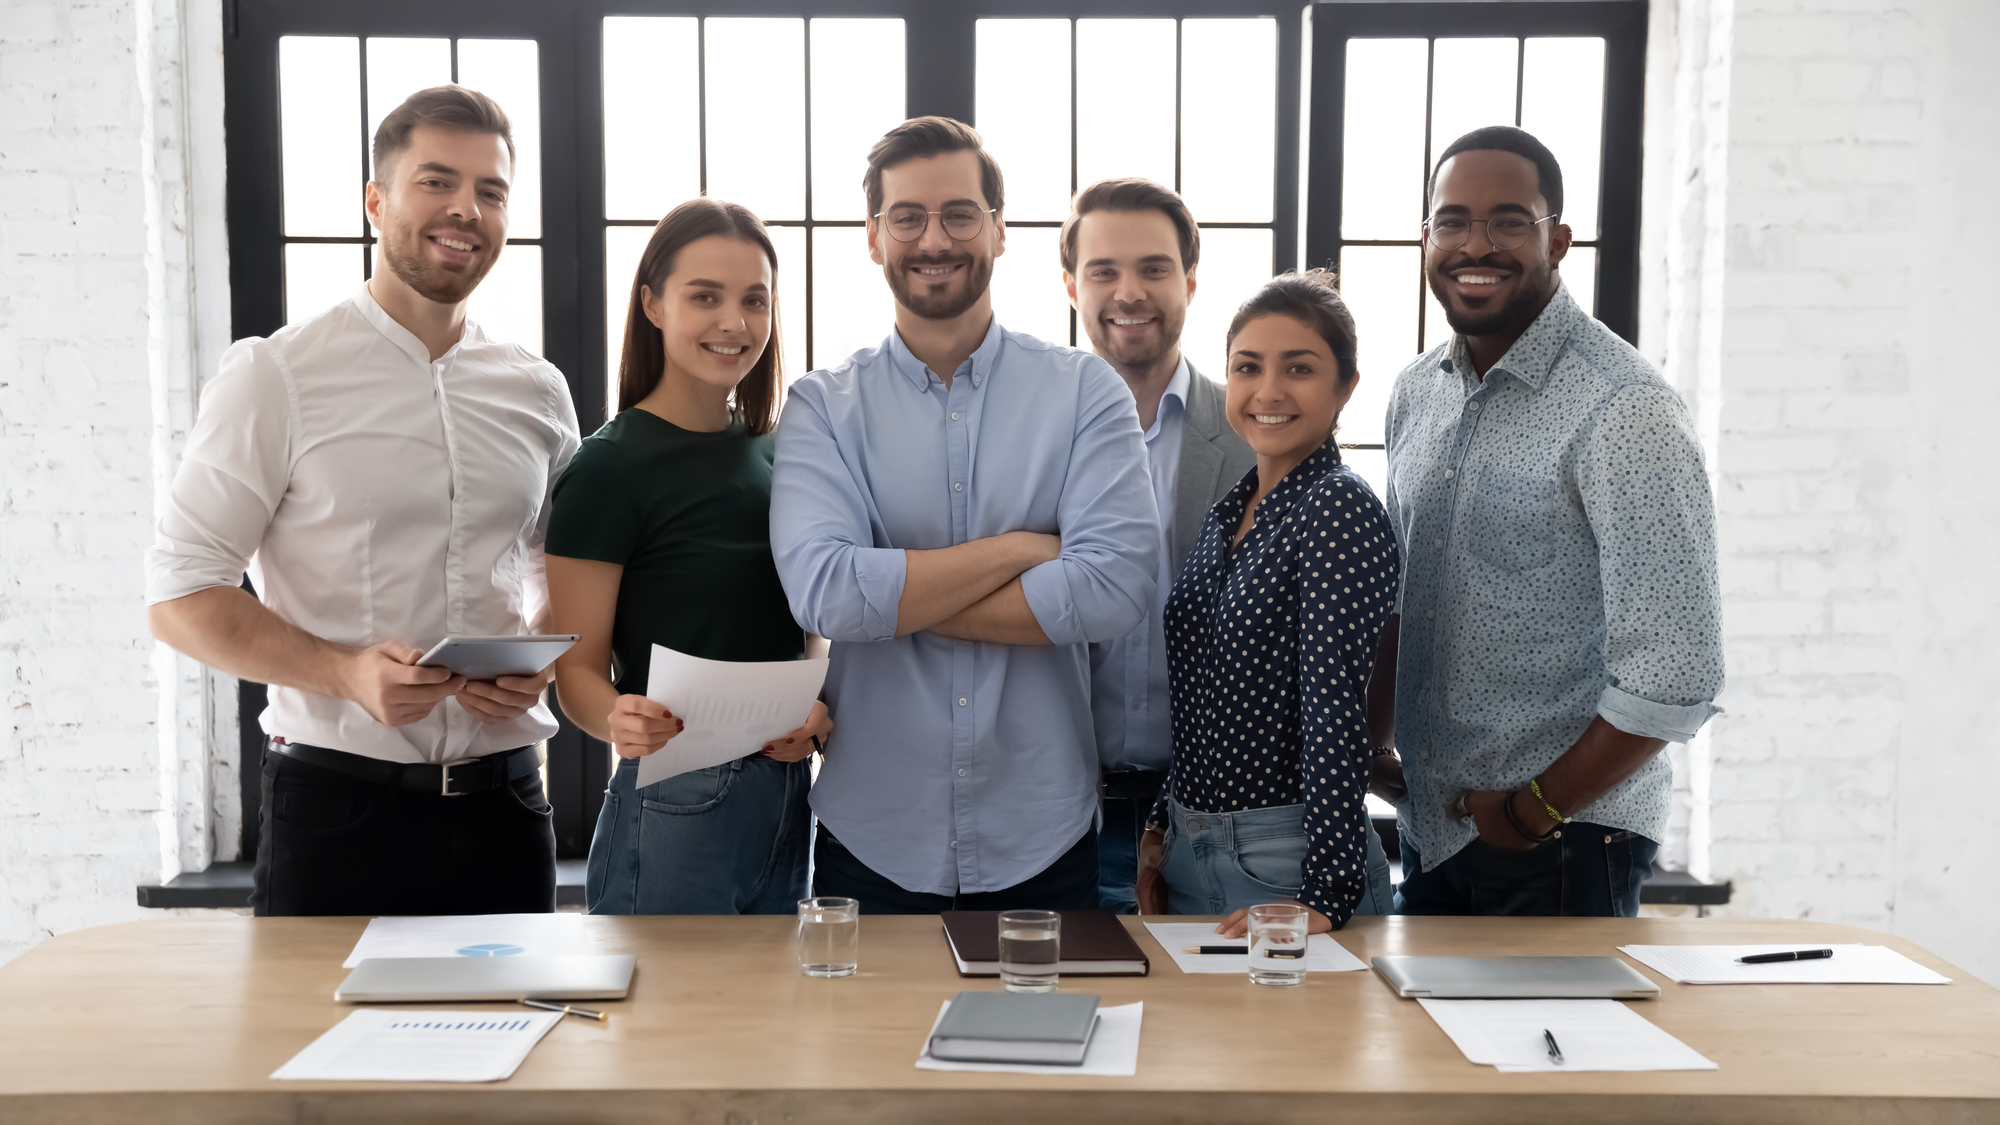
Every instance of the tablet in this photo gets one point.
(483, 658)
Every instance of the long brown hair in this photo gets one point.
(644, 358)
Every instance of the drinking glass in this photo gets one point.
(829, 936)
(1278, 944)
(1030, 947)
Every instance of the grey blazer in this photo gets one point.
(1213, 459)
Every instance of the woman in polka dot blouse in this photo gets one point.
(1271, 633)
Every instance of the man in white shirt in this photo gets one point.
(383, 469)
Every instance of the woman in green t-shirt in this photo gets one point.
(660, 534)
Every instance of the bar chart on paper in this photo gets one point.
(730, 708)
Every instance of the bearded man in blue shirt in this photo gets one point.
(1560, 620)
(961, 510)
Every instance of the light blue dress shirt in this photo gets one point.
(1558, 564)
(1128, 676)
(960, 766)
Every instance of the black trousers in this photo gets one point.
(1070, 883)
(332, 843)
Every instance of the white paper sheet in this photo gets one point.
(1716, 964)
(1113, 1050)
(383, 1045)
(731, 707)
(1323, 954)
(471, 935)
(1593, 1035)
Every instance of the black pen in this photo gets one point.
(1555, 1052)
(1225, 950)
(1789, 955)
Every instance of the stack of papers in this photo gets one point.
(1113, 1051)
(1323, 954)
(1593, 1035)
(374, 1045)
(1716, 964)
(472, 935)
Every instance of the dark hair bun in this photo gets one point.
(1311, 298)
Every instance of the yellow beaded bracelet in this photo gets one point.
(1535, 787)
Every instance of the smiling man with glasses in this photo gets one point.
(1560, 619)
(961, 509)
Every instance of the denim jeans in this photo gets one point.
(726, 840)
(1216, 863)
(1582, 871)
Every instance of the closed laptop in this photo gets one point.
(1515, 978)
(586, 976)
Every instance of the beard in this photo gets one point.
(939, 302)
(1520, 310)
(1128, 354)
(403, 254)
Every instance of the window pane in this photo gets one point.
(508, 71)
(791, 246)
(1562, 103)
(1436, 330)
(622, 247)
(1028, 293)
(757, 125)
(508, 304)
(319, 98)
(1382, 179)
(1124, 100)
(1229, 118)
(319, 276)
(398, 68)
(1021, 101)
(1372, 464)
(1379, 284)
(852, 308)
(1472, 84)
(1234, 264)
(1579, 272)
(857, 95)
(652, 136)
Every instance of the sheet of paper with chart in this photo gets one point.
(380, 1045)
(731, 707)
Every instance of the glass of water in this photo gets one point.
(829, 936)
(1278, 944)
(1030, 947)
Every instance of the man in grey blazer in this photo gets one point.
(1129, 250)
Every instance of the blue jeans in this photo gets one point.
(726, 840)
(1583, 871)
(1216, 863)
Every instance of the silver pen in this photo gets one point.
(565, 1009)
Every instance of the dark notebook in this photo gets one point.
(1094, 944)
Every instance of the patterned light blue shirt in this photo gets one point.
(1558, 544)
(959, 766)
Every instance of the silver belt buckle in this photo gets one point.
(444, 775)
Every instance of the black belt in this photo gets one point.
(452, 779)
(1131, 785)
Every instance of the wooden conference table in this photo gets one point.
(181, 1020)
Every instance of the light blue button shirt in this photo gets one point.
(959, 766)
(1558, 564)
(1128, 676)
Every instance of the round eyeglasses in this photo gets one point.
(1508, 232)
(908, 223)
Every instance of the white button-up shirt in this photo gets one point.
(373, 495)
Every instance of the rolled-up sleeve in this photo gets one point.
(839, 584)
(1646, 493)
(1106, 579)
(231, 478)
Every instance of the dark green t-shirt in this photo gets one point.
(688, 515)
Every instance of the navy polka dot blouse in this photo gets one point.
(1269, 645)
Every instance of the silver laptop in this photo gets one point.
(572, 977)
(1515, 978)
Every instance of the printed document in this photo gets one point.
(472, 935)
(731, 707)
(1592, 1035)
(1323, 954)
(380, 1045)
(1113, 1050)
(1716, 964)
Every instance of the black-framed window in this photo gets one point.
(621, 120)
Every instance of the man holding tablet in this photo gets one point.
(384, 470)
